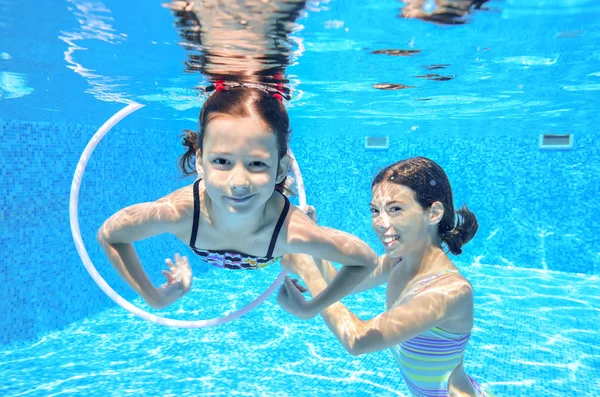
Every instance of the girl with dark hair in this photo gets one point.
(429, 304)
(234, 215)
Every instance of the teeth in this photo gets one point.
(391, 238)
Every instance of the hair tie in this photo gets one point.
(279, 87)
(219, 86)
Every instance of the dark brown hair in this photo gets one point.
(430, 184)
(237, 102)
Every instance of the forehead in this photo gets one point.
(228, 134)
(386, 192)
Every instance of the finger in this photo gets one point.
(168, 276)
(288, 282)
(177, 258)
(300, 288)
(170, 264)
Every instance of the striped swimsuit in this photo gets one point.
(427, 360)
(229, 259)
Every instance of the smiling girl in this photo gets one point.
(234, 215)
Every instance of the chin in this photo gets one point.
(239, 210)
(395, 252)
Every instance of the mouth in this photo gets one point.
(390, 240)
(239, 200)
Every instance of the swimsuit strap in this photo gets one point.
(280, 221)
(282, 216)
(196, 214)
(420, 285)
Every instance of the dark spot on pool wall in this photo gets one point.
(391, 86)
(435, 77)
(436, 66)
(397, 53)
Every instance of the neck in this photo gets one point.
(429, 259)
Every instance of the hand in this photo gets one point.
(290, 298)
(311, 213)
(179, 272)
(179, 5)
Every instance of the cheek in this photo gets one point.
(266, 178)
(213, 178)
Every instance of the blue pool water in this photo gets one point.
(516, 70)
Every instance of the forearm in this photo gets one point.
(340, 321)
(328, 271)
(126, 262)
(344, 282)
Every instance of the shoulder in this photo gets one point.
(458, 296)
(300, 229)
(177, 205)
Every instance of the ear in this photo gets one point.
(284, 166)
(199, 168)
(436, 213)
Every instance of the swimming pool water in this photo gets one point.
(514, 71)
(535, 334)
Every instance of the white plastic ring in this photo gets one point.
(112, 294)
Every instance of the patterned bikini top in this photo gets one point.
(229, 259)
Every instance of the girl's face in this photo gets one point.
(400, 222)
(239, 163)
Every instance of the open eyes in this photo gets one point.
(221, 162)
(392, 210)
(257, 164)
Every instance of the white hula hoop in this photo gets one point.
(112, 294)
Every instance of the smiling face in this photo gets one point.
(240, 163)
(402, 225)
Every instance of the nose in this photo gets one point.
(238, 180)
(381, 223)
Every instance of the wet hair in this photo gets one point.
(430, 184)
(237, 102)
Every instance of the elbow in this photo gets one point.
(155, 304)
(370, 260)
(356, 345)
(354, 349)
(374, 260)
(102, 236)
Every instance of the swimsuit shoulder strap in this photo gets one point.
(282, 217)
(196, 214)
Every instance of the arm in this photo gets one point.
(378, 277)
(135, 223)
(359, 260)
(445, 302)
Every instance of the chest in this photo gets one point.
(396, 286)
(251, 243)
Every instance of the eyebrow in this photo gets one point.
(253, 155)
(389, 202)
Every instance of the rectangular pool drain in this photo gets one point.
(556, 141)
(376, 142)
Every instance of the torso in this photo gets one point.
(210, 237)
(401, 289)
(399, 285)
